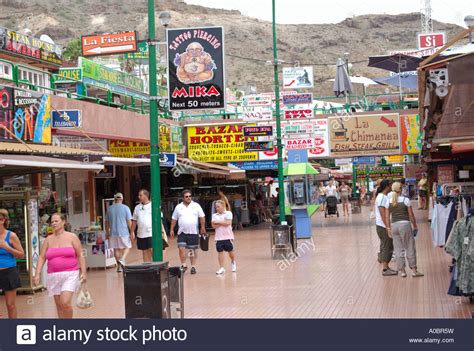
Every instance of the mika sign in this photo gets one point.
(24, 116)
(29, 47)
(196, 68)
(109, 43)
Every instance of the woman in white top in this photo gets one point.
(403, 228)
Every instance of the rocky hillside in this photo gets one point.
(248, 40)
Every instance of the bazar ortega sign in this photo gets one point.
(364, 135)
(219, 143)
(196, 68)
(25, 116)
(29, 47)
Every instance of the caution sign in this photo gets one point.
(223, 143)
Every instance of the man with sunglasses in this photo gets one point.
(190, 217)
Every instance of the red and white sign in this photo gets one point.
(299, 144)
(109, 43)
(295, 114)
(256, 101)
(321, 139)
(431, 40)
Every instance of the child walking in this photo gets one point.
(222, 223)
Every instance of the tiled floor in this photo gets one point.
(338, 277)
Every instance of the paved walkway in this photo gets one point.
(336, 276)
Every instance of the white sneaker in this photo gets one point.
(221, 271)
(234, 267)
(122, 263)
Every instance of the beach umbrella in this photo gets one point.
(342, 83)
(405, 80)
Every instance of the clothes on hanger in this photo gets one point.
(439, 223)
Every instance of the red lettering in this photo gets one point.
(213, 91)
(211, 130)
(221, 129)
(200, 130)
(239, 138)
(191, 91)
(217, 139)
(228, 138)
(200, 91)
(180, 93)
(206, 139)
(195, 140)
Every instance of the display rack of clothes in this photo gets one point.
(460, 245)
(446, 210)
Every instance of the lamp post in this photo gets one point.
(157, 242)
(469, 21)
(281, 184)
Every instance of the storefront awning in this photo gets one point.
(28, 161)
(182, 164)
(45, 149)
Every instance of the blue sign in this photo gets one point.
(258, 146)
(63, 119)
(255, 165)
(258, 131)
(363, 160)
(107, 172)
(167, 159)
(296, 99)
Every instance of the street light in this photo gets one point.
(469, 21)
(276, 63)
(157, 242)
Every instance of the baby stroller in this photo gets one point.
(331, 206)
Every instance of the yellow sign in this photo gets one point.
(367, 135)
(219, 143)
(396, 159)
(128, 149)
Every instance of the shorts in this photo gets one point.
(345, 199)
(189, 241)
(322, 199)
(120, 242)
(9, 279)
(58, 282)
(224, 245)
(144, 243)
(423, 193)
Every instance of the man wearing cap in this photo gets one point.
(118, 225)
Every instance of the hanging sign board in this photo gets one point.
(298, 77)
(297, 99)
(109, 43)
(295, 114)
(258, 131)
(258, 146)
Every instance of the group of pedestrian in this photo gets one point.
(396, 228)
(341, 191)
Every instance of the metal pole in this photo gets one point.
(354, 180)
(281, 185)
(154, 140)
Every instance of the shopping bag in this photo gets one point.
(204, 242)
(84, 299)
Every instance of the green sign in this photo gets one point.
(141, 54)
(103, 74)
(384, 172)
(68, 75)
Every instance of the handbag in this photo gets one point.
(204, 242)
(84, 299)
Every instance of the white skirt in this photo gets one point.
(62, 281)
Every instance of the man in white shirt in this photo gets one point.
(331, 189)
(142, 218)
(190, 217)
(382, 223)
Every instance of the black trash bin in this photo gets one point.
(176, 276)
(146, 289)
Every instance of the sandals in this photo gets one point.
(417, 274)
(403, 274)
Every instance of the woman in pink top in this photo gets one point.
(222, 223)
(63, 251)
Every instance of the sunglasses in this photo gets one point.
(187, 196)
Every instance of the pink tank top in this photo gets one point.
(61, 259)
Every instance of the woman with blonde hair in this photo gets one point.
(10, 250)
(66, 265)
(403, 230)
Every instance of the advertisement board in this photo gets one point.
(321, 139)
(380, 172)
(219, 143)
(255, 165)
(258, 131)
(255, 114)
(128, 149)
(64, 119)
(258, 146)
(299, 144)
(298, 99)
(431, 40)
(25, 115)
(410, 134)
(364, 135)
(296, 114)
(78, 142)
(68, 75)
(109, 43)
(196, 68)
(298, 77)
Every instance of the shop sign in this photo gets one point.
(107, 172)
(78, 142)
(295, 114)
(364, 160)
(29, 47)
(298, 77)
(64, 119)
(25, 116)
(445, 174)
(68, 75)
(218, 143)
(380, 172)
(343, 161)
(395, 159)
(431, 40)
(142, 53)
(255, 165)
(298, 127)
(257, 114)
(321, 139)
(364, 135)
(251, 146)
(258, 131)
(299, 144)
(176, 133)
(128, 149)
(109, 43)
(410, 134)
(257, 101)
(298, 99)
(105, 75)
(167, 159)
(196, 68)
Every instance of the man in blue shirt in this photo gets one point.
(118, 225)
